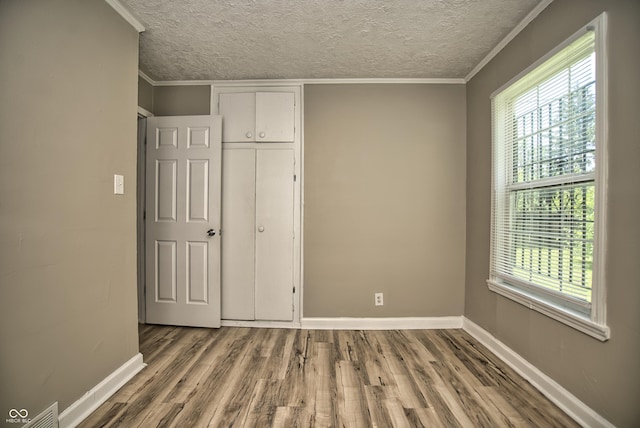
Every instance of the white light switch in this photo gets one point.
(118, 184)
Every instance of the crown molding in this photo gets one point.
(126, 14)
(420, 81)
(275, 82)
(509, 37)
(147, 78)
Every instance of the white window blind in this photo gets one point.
(544, 179)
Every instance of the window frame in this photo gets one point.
(594, 322)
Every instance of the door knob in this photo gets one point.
(211, 232)
(260, 229)
(262, 134)
(249, 135)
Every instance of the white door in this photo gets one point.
(239, 233)
(274, 237)
(183, 220)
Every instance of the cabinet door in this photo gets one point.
(274, 235)
(238, 233)
(275, 116)
(238, 111)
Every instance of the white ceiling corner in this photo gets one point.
(321, 39)
(512, 34)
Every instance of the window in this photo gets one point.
(549, 161)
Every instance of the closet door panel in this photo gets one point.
(238, 233)
(238, 111)
(274, 235)
(275, 114)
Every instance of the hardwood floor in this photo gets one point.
(303, 378)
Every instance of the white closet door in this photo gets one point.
(238, 233)
(274, 235)
(238, 111)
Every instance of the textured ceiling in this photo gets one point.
(288, 39)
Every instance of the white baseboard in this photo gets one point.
(259, 324)
(89, 402)
(408, 323)
(562, 398)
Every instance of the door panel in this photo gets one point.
(274, 235)
(198, 191)
(166, 265)
(275, 116)
(197, 272)
(166, 137)
(183, 203)
(165, 190)
(238, 233)
(239, 115)
(198, 137)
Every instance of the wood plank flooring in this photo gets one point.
(246, 377)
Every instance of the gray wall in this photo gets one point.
(181, 100)
(384, 201)
(67, 244)
(606, 376)
(145, 94)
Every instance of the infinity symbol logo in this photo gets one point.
(22, 413)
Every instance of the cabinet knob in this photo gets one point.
(249, 134)
(262, 134)
(260, 229)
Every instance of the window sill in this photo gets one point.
(564, 315)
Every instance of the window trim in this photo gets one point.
(594, 324)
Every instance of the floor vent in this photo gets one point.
(47, 419)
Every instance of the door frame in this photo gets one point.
(141, 196)
(298, 201)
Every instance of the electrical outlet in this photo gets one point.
(379, 298)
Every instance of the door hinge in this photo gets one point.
(294, 289)
(295, 177)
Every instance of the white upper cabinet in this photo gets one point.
(238, 111)
(275, 116)
(257, 116)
